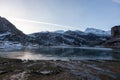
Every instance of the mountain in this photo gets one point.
(91, 37)
(8, 32)
(71, 38)
(57, 39)
(98, 32)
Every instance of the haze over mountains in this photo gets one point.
(90, 37)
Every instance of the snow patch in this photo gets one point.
(10, 45)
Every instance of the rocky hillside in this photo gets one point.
(73, 38)
(8, 32)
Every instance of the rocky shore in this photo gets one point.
(14, 69)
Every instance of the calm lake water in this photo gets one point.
(48, 53)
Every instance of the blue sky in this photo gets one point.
(43, 15)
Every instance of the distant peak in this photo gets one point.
(97, 31)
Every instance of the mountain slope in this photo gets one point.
(8, 32)
(72, 38)
(57, 39)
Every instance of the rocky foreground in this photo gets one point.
(12, 69)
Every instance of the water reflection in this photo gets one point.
(63, 54)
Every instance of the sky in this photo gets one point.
(49, 15)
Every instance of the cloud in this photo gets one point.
(116, 1)
(39, 22)
(31, 26)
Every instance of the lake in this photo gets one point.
(63, 53)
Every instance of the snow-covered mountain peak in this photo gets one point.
(98, 32)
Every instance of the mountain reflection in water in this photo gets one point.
(47, 53)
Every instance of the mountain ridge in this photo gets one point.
(9, 32)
